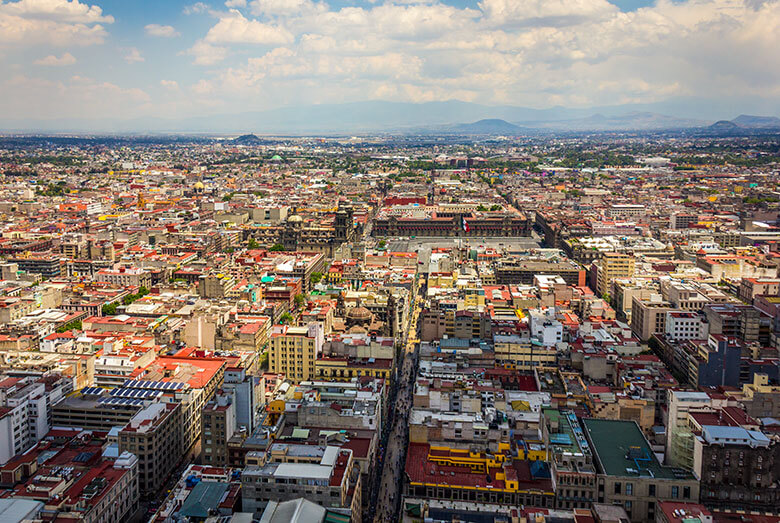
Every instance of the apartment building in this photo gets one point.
(294, 351)
(613, 265)
(219, 424)
(648, 317)
(738, 468)
(629, 474)
(154, 436)
(334, 481)
(125, 277)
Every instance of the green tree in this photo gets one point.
(316, 277)
(109, 309)
(253, 244)
(286, 318)
(382, 244)
(495, 207)
(299, 300)
(70, 326)
(277, 247)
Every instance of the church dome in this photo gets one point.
(358, 315)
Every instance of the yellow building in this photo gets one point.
(344, 369)
(523, 353)
(613, 265)
(293, 351)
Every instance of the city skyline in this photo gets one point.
(175, 60)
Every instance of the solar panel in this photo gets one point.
(92, 391)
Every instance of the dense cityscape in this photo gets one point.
(570, 327)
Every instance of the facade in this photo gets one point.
(613, 265)
(219, 425)
(629, 473)
(648, 317)
(333, 481)
(684, 326)
(739, 469)
(154, 436)
(294, 350)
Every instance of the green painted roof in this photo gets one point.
(205, 495)
(622, 450)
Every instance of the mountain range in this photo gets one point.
(401, 117)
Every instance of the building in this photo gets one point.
(629, 474)
(470, 475)
(684, 326)
(25, 415)
(125, 277)
(154, 435)
(739, 469)
(648, 317)
(70, 474)
(333, 481)
(93, 408)
(612, 265)
(749, 288)
(219, 425)
(293, 351)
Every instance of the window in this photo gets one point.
(617, 488)
(675, 492)
(651, 490)
(629, 489)
(687, 492)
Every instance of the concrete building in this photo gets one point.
(648, 317)
(294, 350)
(629, 474)
(334, 481)
(739, 469)
(219, 425)
(154, 435)
(613, 265)
(684, 326)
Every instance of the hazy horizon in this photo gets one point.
(113, 60)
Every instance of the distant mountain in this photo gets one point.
(631, 121)
(247, 139)
(403, 117)
(763, 122)
(723, 125)
(488, 126)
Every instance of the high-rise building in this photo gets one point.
(294, 350)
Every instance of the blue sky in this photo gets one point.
(173, 59)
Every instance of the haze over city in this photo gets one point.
(116, 63)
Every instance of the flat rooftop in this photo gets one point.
(622, 450)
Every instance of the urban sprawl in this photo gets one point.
(570, 329)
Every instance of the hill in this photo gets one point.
(763, 122)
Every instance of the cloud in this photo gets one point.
(52, 22)
(66, 11)
(170, 84)
(527, 52)
(133, 56)
(162, 31)
(52, 60)
(28, 97)
(206, 54)
(235, 3)
(194, 9)
(284, 7)
(234, 28)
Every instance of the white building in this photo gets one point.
(681, 325)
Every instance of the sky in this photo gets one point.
(134, 59)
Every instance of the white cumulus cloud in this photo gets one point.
(162, 31)
(55, 61)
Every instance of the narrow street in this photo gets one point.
(388, 496)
